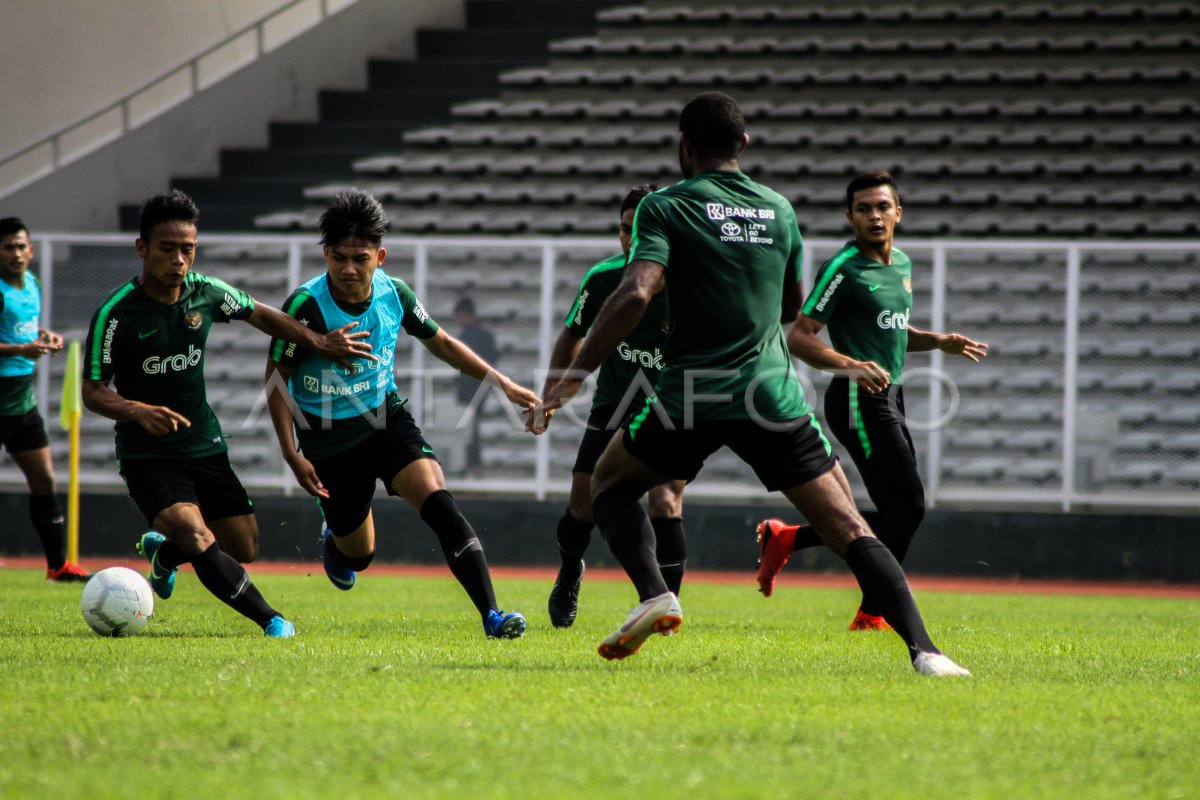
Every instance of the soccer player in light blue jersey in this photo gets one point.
(22, 342)
(352, 424)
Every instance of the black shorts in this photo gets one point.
(209, 482)
(24, 432)
(600, 429)
(867, 424)
(349, 476)
(780, 458)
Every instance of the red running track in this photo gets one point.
(800, 579)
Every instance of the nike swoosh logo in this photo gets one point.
(426, 449)
(147, 333)
(875, 288)
(470, 544)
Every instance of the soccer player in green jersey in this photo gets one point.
(624, 380)
(22, 343)
(148, 337)
(864, 295)
(727, 252)
(351, 422)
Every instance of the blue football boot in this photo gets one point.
(499, 625)
(279, 628)
(162, 581)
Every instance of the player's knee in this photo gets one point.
(665, 504)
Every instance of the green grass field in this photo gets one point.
(392, 691)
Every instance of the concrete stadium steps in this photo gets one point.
(452, 67)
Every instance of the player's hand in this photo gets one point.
(51, 340)
(870, 376)
(530, 420)
(341, 346)
(160, 420)
(519, 395)
(306, 476)
(35, 350)
(959, 345)
(558, 395)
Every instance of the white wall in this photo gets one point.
(235, 112)
(64, 58)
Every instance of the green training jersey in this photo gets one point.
(866, 305)
(321, 437)
(638, 359)
(731, 249)
(154, 354)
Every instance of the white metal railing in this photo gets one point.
(414, 258)
(30, 162)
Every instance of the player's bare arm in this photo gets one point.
(34, 350)
(806, 345)
(338, 345)
(566, 347)
(618, 316)
(279, 406)
(953, 343)
(453, 352)
(99, 397)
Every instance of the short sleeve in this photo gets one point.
(594, 289)
(827, 291)
(650, 238)
(98, 347)
(226, 301)
(416, 321)
(302, 307)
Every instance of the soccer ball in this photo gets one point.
(117, 602)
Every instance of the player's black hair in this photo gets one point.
(11, 226)
(465, 305)
(713, 125)
(869, 180)
(635, 196)
(354, 215)
(173, 207)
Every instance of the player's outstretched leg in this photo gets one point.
(229, 582)
(661, 614)
(464, 556)
(162, 578)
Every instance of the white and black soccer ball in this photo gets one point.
(117, 602)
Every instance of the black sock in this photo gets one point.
(170, 556)
(880, 577)
(574, 536)
(354, 563)
(461, 548)
(671, 549)
(48, 522)
(630, 537)
(229, 582)
(806, 535)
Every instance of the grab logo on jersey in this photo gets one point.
(893, 320)
(26, 330)
(643, 358)
(159, 365)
